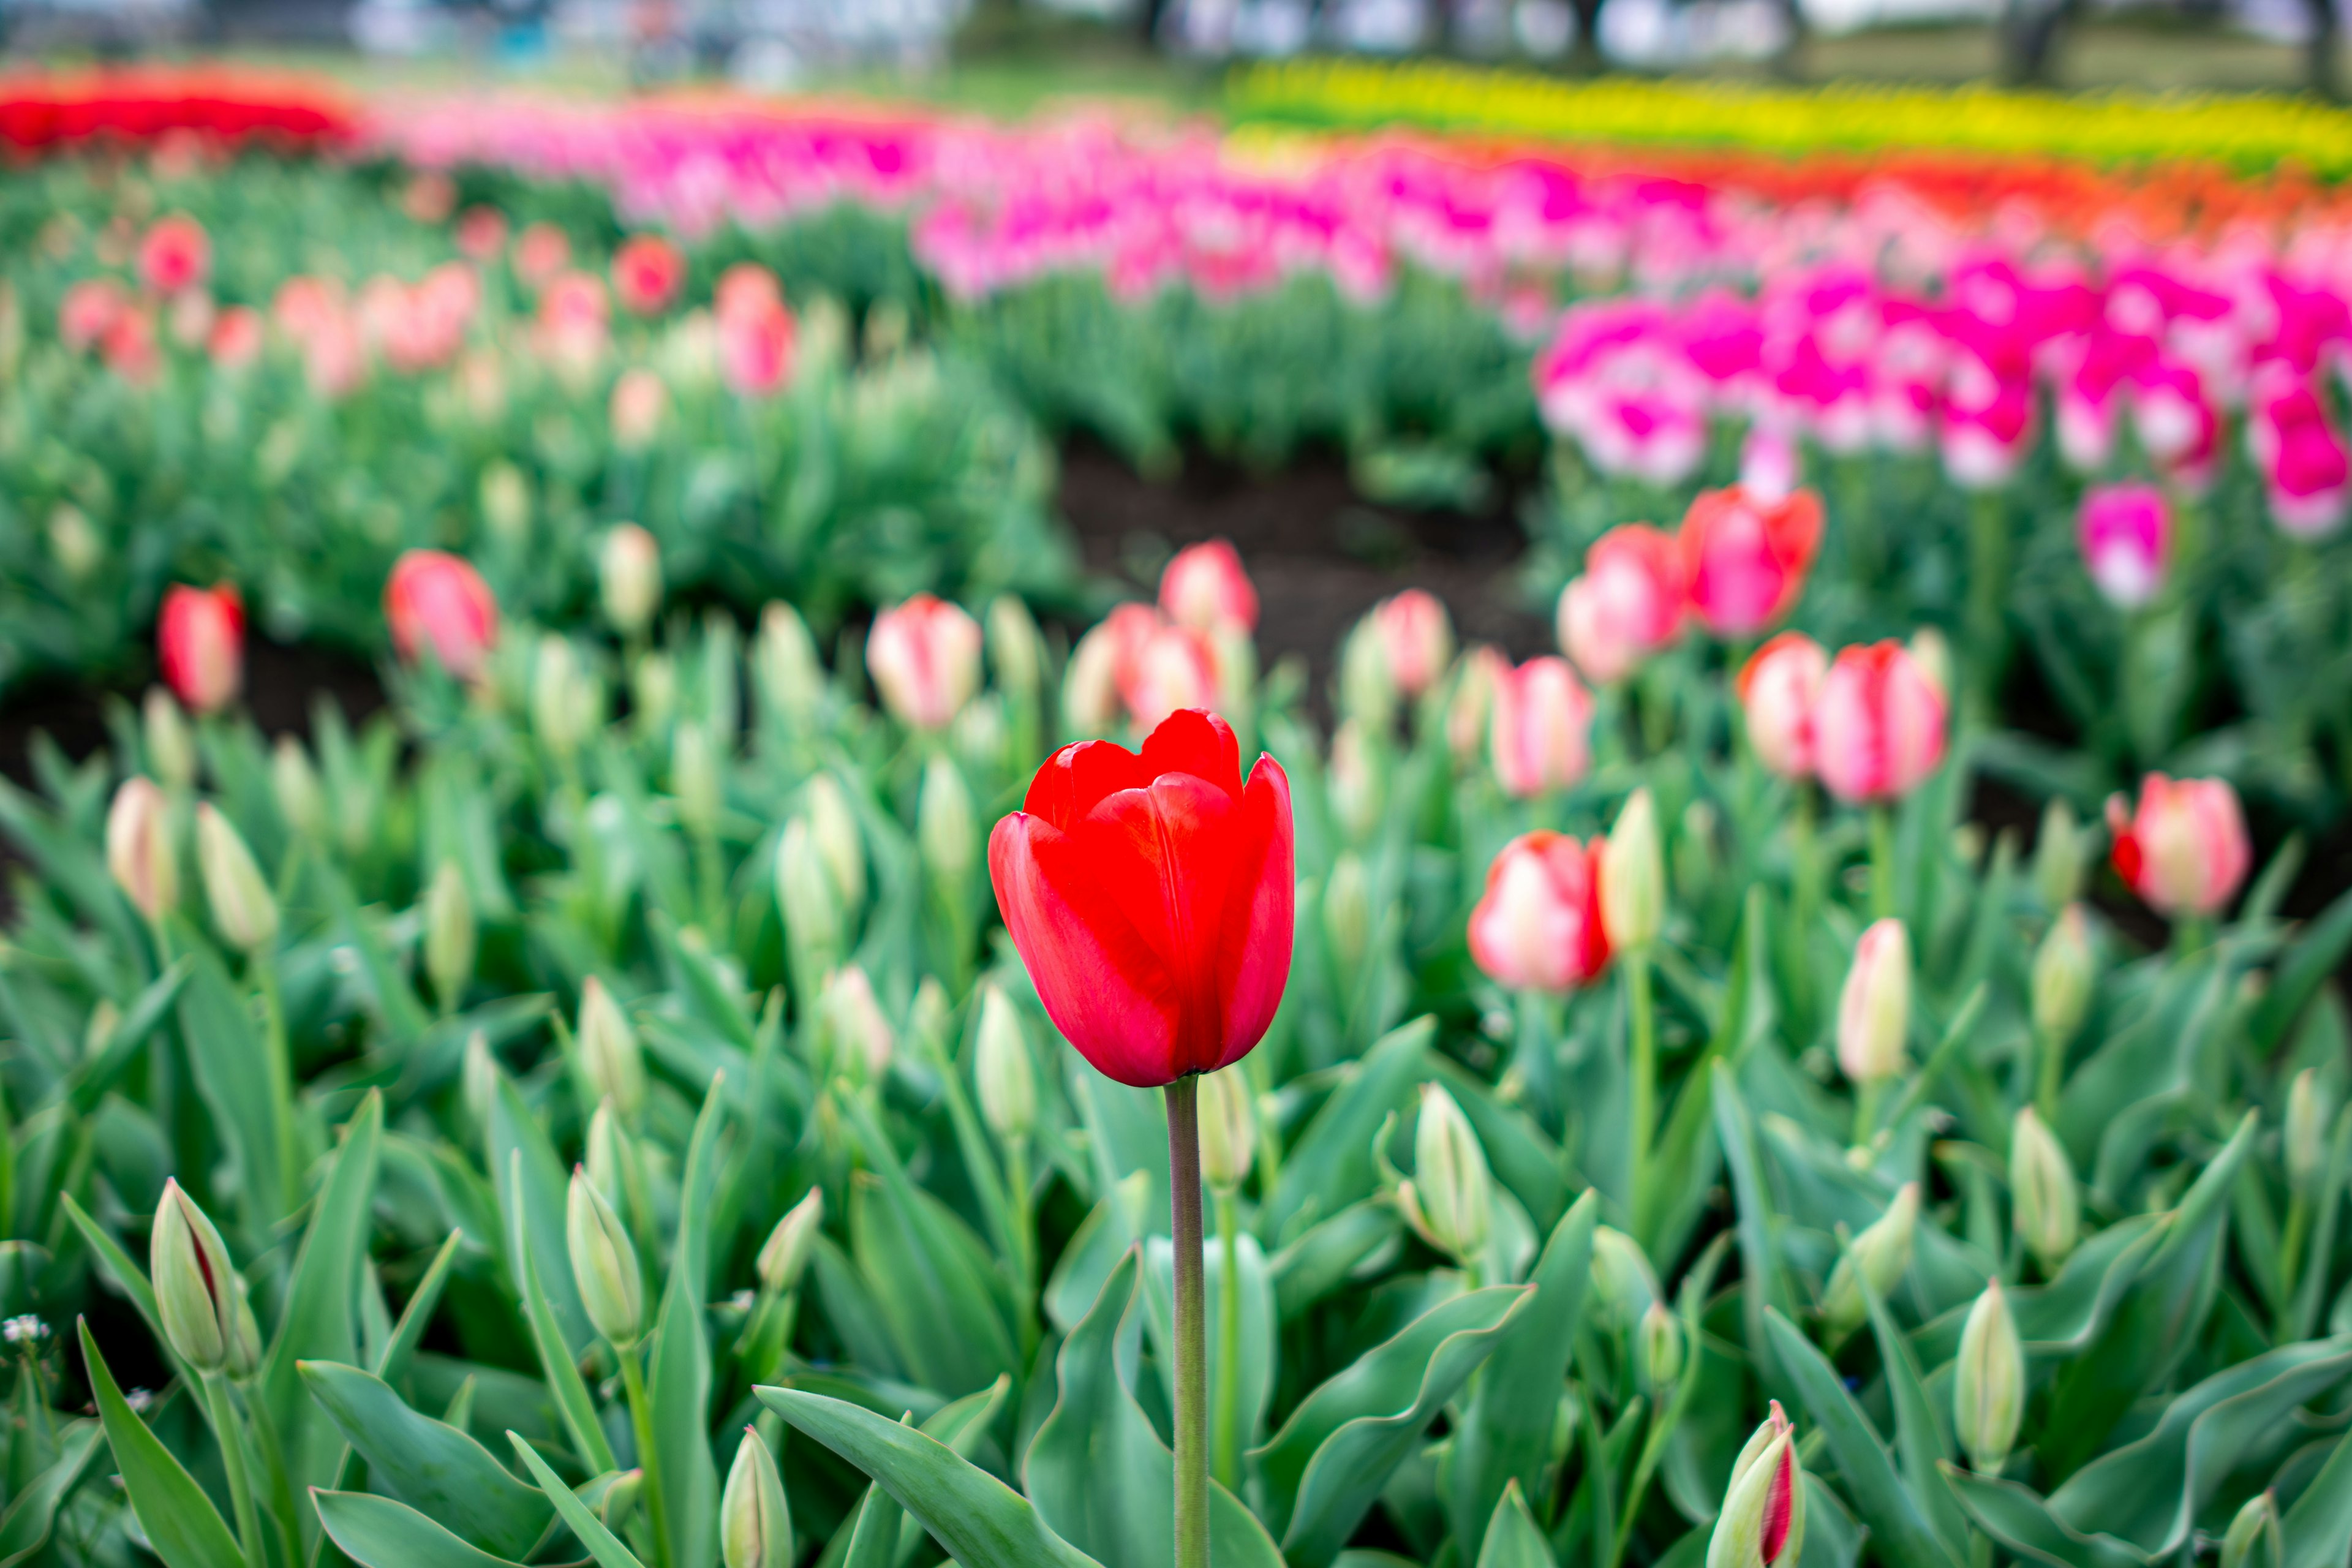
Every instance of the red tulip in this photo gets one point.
(1626, 607)
(1542, 728)
(435, 601)
(1205, 588)
(925, 659)
(174, 253)
(647, 273)
(1745, 558)
(1778, 688)
(1151, 898)
(2185, 851)
(1878, 723)
(200, 644)
(1538, 926)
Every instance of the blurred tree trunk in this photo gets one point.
(2326, 45)
(2029, 29)
(1585, 56)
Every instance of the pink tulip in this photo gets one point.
(1417, 639)
(235, 341)
(200, 646)
(89, 308)
(755, 348)
(745, 288)
(1745, 560)
(2185, 851)
(174, 253)
(2305, 464)
(1173, 668)
(640, 401)
(924, 656)
(1205, 588)
(435, 602)
(1627, 606)
(303, 305)
(2126, 537)
(647, 273)
(1538, 927)
(540, 253)
(481, 233)
(1778, 688)
(1878, 723)
(129, 349)
(1541, 734)
(1102, 663)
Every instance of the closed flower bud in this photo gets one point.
(840, 843)
(620, 1501)
(854, 1018)
(75, 541)
(604, 1162)
(1881, 1256)
(1469, 708)
(2045, 1200)
(944, 827)
(1621, 1276)
(785, 1253)
(629, 574)
(2184, 851)
(1002, 1069)
(1632, 876)
(2306, 1132)
(1778, 688)
(1538, 925)
(2255, 1538)
(1662, 1346)
(1347, 912)
(562, 697)
(448, 933)
(2062, 976)
(301, 804)
(1449, 1199)
(198, 1294)
(609, 1053)
(1015, 651)
(1875, 1009)
(141, 851)
(2058, 855)
(163, 730)
(755, 1521)
(243, 912)
(924, 656)
(1879, 723)
(200, 644)
(1357, 787)
(694, 778)
(1368, 693)
(1228, 1128)
(604, 1264)
(652, 691)
(479, 1078)
(504, 496)
(1763, 1518)
(785, 662)
(1989, 1382)
(814, 923)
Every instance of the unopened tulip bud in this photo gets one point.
(854, 1017)
(652, 691)
(694, 778)
(74, 542)
(170, 749)
(785, 1254)
(604, 1162)
(929, 1015)
(2184, 851)
(479, 1078)
(1015, 649)
(1880, 1255)
(1875, 1009)
(140, 852)
(450, 934)
(505, 500)
(1989, 1382)
(2045, 1199)
(609, 1053)
(1662, 1346)
(840, 843)
(198, 1294)
(98, 1031)
(1632, 876)
(1228, 1128)
(620, 1500)
(944, 827)
(1002, 1069)
(2063, 977)
(243, 912)
(628, 571)
(562, 705)
(294, 783)
(806, 895)
(2255, 1538)
(2306, 1132)
(755, 1521)
(924, 656)
(2058, 855)
(1763, 1520)
(1368, 693)
(785, 662)
(1932, 652)
(1416, 639)
(1470, 707)
(1449, 1199)
(1357, 787)
(604, 1265)
(1347, 912)
(1621, 1275)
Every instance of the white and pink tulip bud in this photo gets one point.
(1778, 688)
(243, 910)
(436, 604)
(199, 1296)
(1989, 1382)
(924, 655)
(1878, 723)
(1538, 926)
(1874, 1020)
(629, 575)
(1205, 588)
(1175, 667)
(1449, 1201)
(2126, 532)
(1417, 638)
(141, 852)
(1762, 1524)
(1541, 733)
(1627, 606)
(1633, 876)
(640, 402)
(2185, 851)
(200, 646)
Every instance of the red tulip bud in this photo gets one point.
(1878, 723)
(1745, 558)
(1538, 927)
(435, 601)
(200, 644)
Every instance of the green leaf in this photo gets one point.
(873, 1541)
(1921, 1434)
(1671, 1209)
(224, 1050)
(1833, 1540)
(378, 1532)
(1322, 1258)
(179, 1519)
(1505, 1437)
(1764, 1289)
(130, 1277)
(1259, 1344)
(1326, 1468)
(933, 1282)
(982, 1522)
(409, 1332)
(602, 1543)
(1096, 1471)
(562, 1373)
(1512, 1540)
(431, 1466)
(90, 1080)
(1330, 1166)
(1879, 1495)
(530, 1181)
(678, 1361)
(2012, 1515)
(33, 1511)
(2318, 1528)
(2296, 978)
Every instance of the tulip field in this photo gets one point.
(812, 1029)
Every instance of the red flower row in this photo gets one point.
(43, 112)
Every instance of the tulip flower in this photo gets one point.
(2045, 1199)
(89, 311)
(1001, 1068)
(924, 656)
(1171, 668)
(1416, 637)
(1541, 729)
(540, 252)
(294, 786)
(640, 402)
(1778, 688)
(1989, 1382)
(174, 254)
(610, 1057)
(2126, 537)
(755, 1518)
(629, 574)
(199, 1296)
(235, 339)
(2064, 971)
(1470, 709)
(1874, 1019)
(200, 644)
(756, 350)
(437, 602)
(1205, 588)
(2185, 851)
(745, 288)
(481, 233)
(604, 1265)
(1762, 1524)
(1878, 724)
(647, 272)
(2303, 1137)
(1745, 560)
(140, 852)
(1449, 1202)
(1662, 1348)
(245, 911)
(1627, 606)
(1538, 926)
(785, 1254)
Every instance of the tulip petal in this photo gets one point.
(1075, 779)
(1255, 938)
(1190, 740)
(1165, 857)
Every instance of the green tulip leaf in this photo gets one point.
(1330, 1165)
(678, 1362)
(869, 1542)
(2314, 954)
(1102, 1239)
(1258, 1338)
(2018, 1519)
(1833, 1540)
(1764, 1287)
(938, 1291)
(1922, 1435)
(380, 1532)
(2318, 1528)
(138, 1024)
(1511, 1537)
(603, 1545)
(178, 1519)
(321, 1321)
(433, 1467)
(129, 1278)
(224, 1043)
(33, 1511)
(564, 1379)
(530, 1183)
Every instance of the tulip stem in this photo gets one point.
(231, 1436)
(282, 1073)
(641, 1421)
(1229, 1346)
(1643, 1090)
(1022, 1224)
(1882, 862)
(1191, 1325)
(2051, 1060)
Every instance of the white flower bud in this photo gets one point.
(1228, 1114)
(784, 663)
(629, 574)
(1880, 1255)
(1763, 1520)
(1357, 791)
(1875, 1009)
(950, 843)
(1015, 649)
(244, 911)
(1662, 1346)
(1621, 1275)
(652, 691)
(301, 804)
(1348, 913)
(604, 1265)
(1449, 1201)
(806, 895)
(140, 852)
(1632, 877)
(855, 1019)
(785, 1254)
(694, 778)
(198, 1294)
(449, 935)
(2306, 1137)
(609, 1053)
(479, 1078)
(1989, 1382)
(2063, 977)
(2058, 855)
(755, 1520)
(1007, 1081)
(564, 701)
(840, 843)
(170, 749)
(2044, 1199)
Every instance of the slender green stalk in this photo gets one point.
(2050, 1057)
(2298, 1225)
(641, 1420)
(1228, 1451)
(1192, 1326)
(1882, 862)
(281, 1484)
(222, 1412)
(1988, 592)
(1865, 1111)
(281, 1062)
(1643, 1092)
(1022, 1224)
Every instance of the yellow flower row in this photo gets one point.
(2248, 132)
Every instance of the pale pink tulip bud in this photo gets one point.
(437, 602)
(924, 656)
(1778, 688)
(1874, 1019)
(1473, 702)
(200, 646)
(756, 350)
(2127, 536)
(1745, 560)
(174, 253)
(140, 852)
(235, 339)
(640, 402)
(629, 576)
(88, 311)
(1627, 606)
(540, 253)
(2185, 851)
(1538, 925)
(1541, 732)
(1090, 686)
(1175, 667)
(745, 288)
(1417, 638)
(1878, 723)
(1205, 588)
